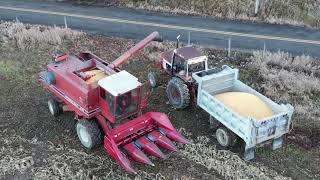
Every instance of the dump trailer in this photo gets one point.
(107, 102)
(230, 125)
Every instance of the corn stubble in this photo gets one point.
(226, 163)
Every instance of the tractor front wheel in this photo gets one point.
(178, 93)
(88, 133)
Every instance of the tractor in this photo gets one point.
(107, 103)
(180, 64)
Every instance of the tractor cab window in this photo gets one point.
(179, 65)
(196, 67)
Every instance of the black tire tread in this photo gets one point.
(183, 89)
(232, 135)
(93, 130)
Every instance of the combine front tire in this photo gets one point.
(53, 106)
(225, 137)
(178, 93)
(88, 133)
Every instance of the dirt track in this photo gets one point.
(36, 145)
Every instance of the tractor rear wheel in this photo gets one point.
(54, 108)
(88, 133)
(225, 137)
(178, 93)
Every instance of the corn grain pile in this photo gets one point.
(245, 104)
(95, 74)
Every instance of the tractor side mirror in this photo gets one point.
(178, 39)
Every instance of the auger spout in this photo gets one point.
(135, 49)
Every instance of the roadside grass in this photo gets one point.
(294, 12)
(24, 36)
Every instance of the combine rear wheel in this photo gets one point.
(178, 93)
(225, 137)
(88, 133)
(54, 108)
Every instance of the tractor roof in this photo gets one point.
(119, 83)
(184, 52)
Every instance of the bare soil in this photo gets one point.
(36, 145)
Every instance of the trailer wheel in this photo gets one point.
(178, 93)
(54, 108)
(225, 137)
(152, 79)
(88, 133)
(49, 78)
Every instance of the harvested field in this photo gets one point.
(35, 145)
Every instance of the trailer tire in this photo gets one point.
(225, 137)
(152, 79)
(178, 93)
(88, 133)
(50, 78)
(54, 108)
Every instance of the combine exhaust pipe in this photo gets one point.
(135, 49)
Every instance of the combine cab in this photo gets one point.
(107, 103)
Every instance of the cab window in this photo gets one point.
(196, 67)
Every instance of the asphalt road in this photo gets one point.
(137, 24)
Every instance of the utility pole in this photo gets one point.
(65, 22)
(229, 47)
(256, 9)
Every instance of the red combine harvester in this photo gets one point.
(107, 103)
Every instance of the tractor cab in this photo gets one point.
(184, 61)
(121, 96)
